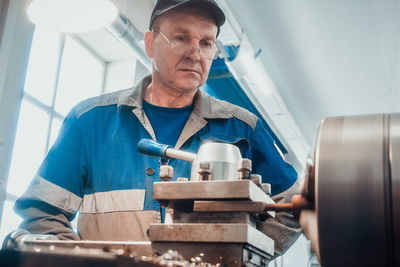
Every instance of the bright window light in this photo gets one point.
(10, 220)
(55, 128)
(72, 16)
(81, 76)
(29, 148)
(40, 78)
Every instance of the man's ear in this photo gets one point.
(148, 43)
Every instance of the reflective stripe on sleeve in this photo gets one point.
(118, 200)
(55, 195)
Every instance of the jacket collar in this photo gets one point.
(134, 97)
(205, 105)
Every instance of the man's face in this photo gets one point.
(183, 73)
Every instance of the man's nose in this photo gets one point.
(194, 53)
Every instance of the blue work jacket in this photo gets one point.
(94, 165)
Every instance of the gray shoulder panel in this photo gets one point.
(98, 101)
(240, 113)
(210, 107)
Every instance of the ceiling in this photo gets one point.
(327, 58)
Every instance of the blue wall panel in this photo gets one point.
(222, 85)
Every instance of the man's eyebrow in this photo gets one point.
(186, 31)
(181, 30)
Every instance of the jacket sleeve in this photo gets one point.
(269, 163)
(283, 229)
(55, 193)
(43, 218)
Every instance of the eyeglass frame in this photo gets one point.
(217, 52)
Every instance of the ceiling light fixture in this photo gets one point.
(72, 16)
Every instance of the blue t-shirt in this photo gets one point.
(167, 123)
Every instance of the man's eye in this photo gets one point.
(206, 44)
(180, 38)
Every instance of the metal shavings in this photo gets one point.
(120, 251)
(172, 258)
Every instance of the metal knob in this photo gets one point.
(257, 179)
(204, 171)
(244, 169)
(266, 188)
(166, 173)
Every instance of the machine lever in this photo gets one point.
(152, 148)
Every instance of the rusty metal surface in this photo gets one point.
(207, 232)
(353, 201)
(53, 255)
(244, 189)
(298, 203)
(237, 206)
(140, 248)
(45, 253)
(183, 213)
(228, 254)
(229, 206)
(215, 217)
(49, 254)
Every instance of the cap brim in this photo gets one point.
(212, 7)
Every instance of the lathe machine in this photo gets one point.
(349, 207)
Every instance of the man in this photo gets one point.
(94, 165)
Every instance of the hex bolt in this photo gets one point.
(257, 179)
(204, 171)
(266, 188)
(166, 173)
(244, 169)
(182, 179)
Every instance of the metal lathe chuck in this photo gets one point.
(355, 186)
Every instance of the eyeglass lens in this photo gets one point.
(183, 46)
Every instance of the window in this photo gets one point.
(61, 72)
(81, 76)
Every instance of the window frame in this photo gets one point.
(51, 109)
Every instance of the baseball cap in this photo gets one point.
(211, 6)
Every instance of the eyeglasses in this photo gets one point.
(181, 44)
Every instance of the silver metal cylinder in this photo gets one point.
(224, 161)
(357, 178)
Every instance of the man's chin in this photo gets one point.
(189, 85)
(188, 89)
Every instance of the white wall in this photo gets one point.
(327, 58)
(14, 54)
(120, 74)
